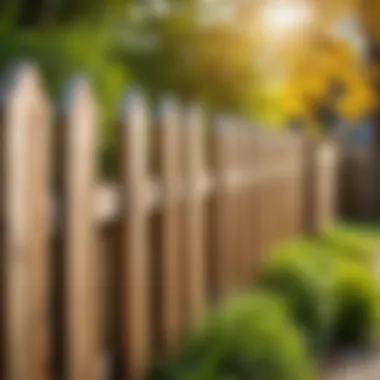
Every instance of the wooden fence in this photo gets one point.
(358, 196)
(99, 277)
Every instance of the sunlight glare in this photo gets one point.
(286, 16)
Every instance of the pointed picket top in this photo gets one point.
(25, 209)
(246, 134)
(168, 110)
(78, 100)
(222, 123)
(76, 132)
(243, 124)
(134, 110)
(24, 107)
(193, 121)
(21, 88)
(193, 115)
(134, 301)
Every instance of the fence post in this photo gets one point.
(309, 177)
(273, 183)
(194, 263)
(254, 200)
(286, 212)
(264, 192)
(25, 212)
(245, 193)
(235, 210)
(323, 186)
(76, 184)
(220, 223)
(270, 206)
(133, 250)
(295, 194)
(298, 185)
(167, 257)
(281, 166)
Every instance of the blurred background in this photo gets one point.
(310, 65)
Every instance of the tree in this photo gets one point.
(211, 61)
(327, 85)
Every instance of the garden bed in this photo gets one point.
(314, 298)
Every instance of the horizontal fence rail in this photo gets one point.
(99, 278)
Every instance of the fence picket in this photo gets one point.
(24, 205)
(194, 260)
(247, 225)
(255, 199)
(133, 251)
(76, 185)
(264, 193)
(235, 212)
(219, 260)
(168, 293)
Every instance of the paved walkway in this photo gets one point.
(354, 366)
(365, 366)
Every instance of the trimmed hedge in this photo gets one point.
(313, 295)
(306, 283)
(358, 307)
(352, 243)
(249, 337)
(330, 286)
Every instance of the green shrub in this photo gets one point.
(330, 286)
(350, 243)
(358, 304)
(250, 337)
(305, 281)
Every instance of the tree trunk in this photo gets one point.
(34, 13)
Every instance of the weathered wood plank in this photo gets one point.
(76, 185)
(194, 260)
(167, 247)
(24, 245)
(133, 250)
(219, 262)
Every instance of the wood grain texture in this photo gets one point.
(194, 260)
(219, 262)
(76, 185)
(24, 205)
(167, 250)
(133, 250)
